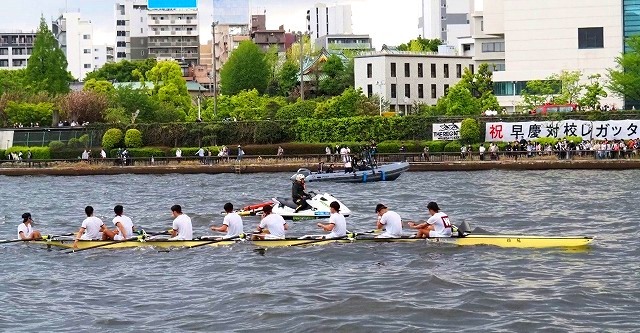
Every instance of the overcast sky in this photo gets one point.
(388, 22)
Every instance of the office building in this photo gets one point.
(531, 40)
(345, 42)
(75, 37)
(334, 20)
(405, 79)
(15, 49)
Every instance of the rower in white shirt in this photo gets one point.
(25, 229)
(390, 221)
(232, 223)
(92, 228)
(337, 223)
(438, 225)
(124, 226)
(273, 224)
(182, 228)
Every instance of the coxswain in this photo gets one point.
(337, 226)
(92, 228)
(272, 226)
(232, 223)
(25, 229)
(390, 221)
(298, 193)
(124, 226)
(438, 225)
(182, 228)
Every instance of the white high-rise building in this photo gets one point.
(531, 40)
(334, 20)
(102, 54)
(447, 20)
(75, 37)
(131, 30)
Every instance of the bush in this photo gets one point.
(84, 140)
(143, 152)
(437, 146)
(73, 143)
(453, 147)
(546, 141)
(190, 151)
(390, 147)
(133, 138)
(267, 132)
(70, 154)
(56, 146)
(3, 154)
(469, 131)
(112, 139)
(38, 153)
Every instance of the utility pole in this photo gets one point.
(301, 66)
(214, 70)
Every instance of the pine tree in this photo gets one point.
(47, 66)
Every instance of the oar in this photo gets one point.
(45, 237)
(319, 241)
(105, 244)
(241, 236)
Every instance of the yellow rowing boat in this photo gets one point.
(508, 241)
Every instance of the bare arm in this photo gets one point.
(222, 228)
(326, 227)
(286, 226)
(174, 233)
(23, 237)
(122, 231)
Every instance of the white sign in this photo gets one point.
(446, 132)
(588, 130)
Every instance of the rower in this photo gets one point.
(25, 229)
(337, 224)
(273, 224)
(389, 220)
(92, 228)
(182, 228)
(438, 225)
(124, 226)
(232, 223)
(298, 193)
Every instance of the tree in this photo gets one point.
(13, 80)
(594, 91)
(169, 87)
(136, 101)
(82, 106)
(288, 77)
(47, 66)
(299, 109)
(421, 45)
(460, 102)
(122, 71)
(469, 131)
(133, 138)
(624, 80)
(29, 113)
(480, 84)
(334, 71)
(350, 103)
(99, 86)
(570, 87)
(246, 69)
(536, 93)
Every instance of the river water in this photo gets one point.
(340, 287)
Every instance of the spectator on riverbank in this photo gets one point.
(280, 152)
(481, 151)
(178, 155)
(240, 153)
(425, 153)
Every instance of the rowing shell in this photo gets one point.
(508, 241)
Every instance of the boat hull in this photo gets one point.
(387, 172)
(506, 241)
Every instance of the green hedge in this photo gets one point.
(112, 138)
(142, 152)
(453, 147)
(190, 151)
(39, 153)
(3, 154)
(70, 154)
(133, 138)
(56, 146)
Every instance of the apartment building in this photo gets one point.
(447, 20)
(345, 42)
(405, 79)
(75, 37)
(15, 49)
(329, 20)
(173, 34)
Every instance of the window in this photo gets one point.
(87, 51)
(121, 33)
(420, 71)
(407, 90)
(4, 51)
(87, 65)
(446, 71)
(122, 55)
(493, 47)
(393, 69)
(369, 71)
(458, 71)
(393, 91)
(369, 90)
(446, 89)
(4, 63)
(141, 30)
(497, 67)
(407, 69)
(590, 38)
(121, 44)
(433, 71)
(86, 36)
(433, 91)
(120, 22)
(420, 90)
(472, 69)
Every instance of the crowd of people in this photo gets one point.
(271, 226)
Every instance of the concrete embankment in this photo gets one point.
(89, 170)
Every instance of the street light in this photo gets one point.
(380, 84)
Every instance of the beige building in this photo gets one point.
(531, 40)
(405, 79)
